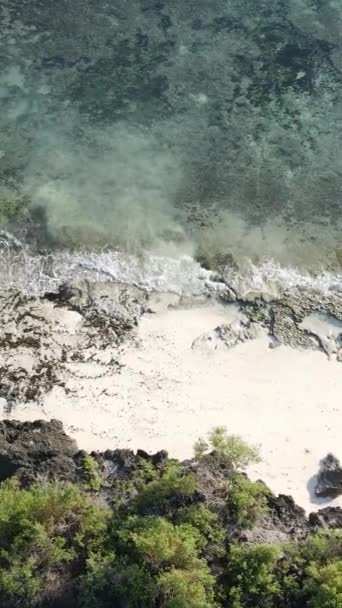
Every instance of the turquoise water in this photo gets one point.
(203, 128)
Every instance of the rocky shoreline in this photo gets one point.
(40, 336)
(41, 452)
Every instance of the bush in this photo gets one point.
(160, 495)
(41, 531)
(91, 468)
(319, 548)
(247, 500)
(186, 589)
(53, 537)
(207, 523)
(230, 450)
(158, 542)
(311, 572)
(152, 563)
(324, 585)
(251, 577)
(111, 582)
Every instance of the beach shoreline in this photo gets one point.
(176, 379)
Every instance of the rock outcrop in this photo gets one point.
(285, 316)
(31, 450)
(329, 479)
(330, 517)
(228, 335)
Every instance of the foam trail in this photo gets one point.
(36, 274)
(273, 278)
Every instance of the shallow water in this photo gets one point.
(213, 127)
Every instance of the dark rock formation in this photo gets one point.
(330, 517)
(35, 450)
(287, 516)
(31, 450)
(329, 479)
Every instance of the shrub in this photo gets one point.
(319, 548)
(230, 450)
(91, 468)
(158, 542)
(186, 589)
(247, 500)
(41, 530)
(201, 448)
(115, 582)
(324, 585)
(111, 582)
(160, 495)
(53, 537)
(207, 523)
(146, 471)
(152, 562)
(251, 578)
(310, 571)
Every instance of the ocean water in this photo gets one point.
(138, 137)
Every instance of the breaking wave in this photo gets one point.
(39, 273)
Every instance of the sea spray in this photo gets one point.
(37, 273)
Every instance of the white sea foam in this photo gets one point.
(35, 274)
(273, 278)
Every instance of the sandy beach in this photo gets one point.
(177, 382)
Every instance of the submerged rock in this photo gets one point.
(216, 261)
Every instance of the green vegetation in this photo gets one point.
(91, 469)
(42, 532)
(172, 487)
(247, 500)
(251, 580)
(325, 585)
(163, 545)
(228, 450)
(156, 553)
(207, 523)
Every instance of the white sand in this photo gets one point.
(286, 401)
